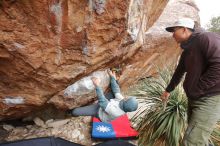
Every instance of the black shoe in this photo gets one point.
(69, 113)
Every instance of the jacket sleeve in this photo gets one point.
(210, 47)
(115, 88)
(102, 101)
(114, 85)
(177, 76)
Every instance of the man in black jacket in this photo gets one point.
(200, 62)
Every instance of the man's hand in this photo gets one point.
(165, 96)
(112, 73)
(96, 81)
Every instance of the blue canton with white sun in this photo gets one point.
(103, 130)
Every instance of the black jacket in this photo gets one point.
(200, 60)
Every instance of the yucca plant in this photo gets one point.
(215, 137)
(157, 124)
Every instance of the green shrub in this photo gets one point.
(214, 24)
(215, 137)
(158, 125)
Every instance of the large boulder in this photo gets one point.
(49, 49)
(47, 45)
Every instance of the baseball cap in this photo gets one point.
(182, 22)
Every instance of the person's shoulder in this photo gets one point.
(209, 37)
(205, 36)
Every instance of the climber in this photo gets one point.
(109, 106)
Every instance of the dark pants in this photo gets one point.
(203, 115)
(90, 110)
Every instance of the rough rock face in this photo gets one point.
(47, 45)
(67, 85)
(159, 47)
(74, 129)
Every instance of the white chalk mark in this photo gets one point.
(13, 100)
(85, 85)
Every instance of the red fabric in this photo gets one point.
(121, 126)
(96, 119)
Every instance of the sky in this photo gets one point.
(208, 9)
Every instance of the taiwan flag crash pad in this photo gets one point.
(117, 128)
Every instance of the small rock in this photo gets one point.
(8, 127)
(49, 121)
(39, 122)
(54, 131)
(79, 29)
(75, 133)
(29, 126)
(81, 137)
(94, 143)
(3, 134)
(19, 130)
(30, 137)
(57, 123)
(87, 119)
